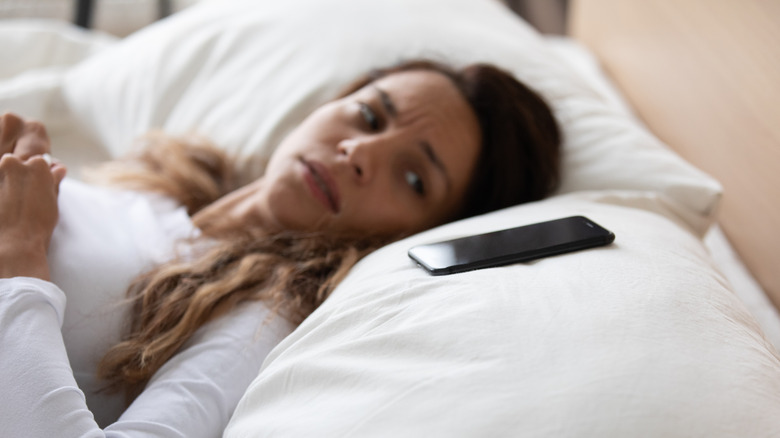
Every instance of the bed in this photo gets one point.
(670, 331)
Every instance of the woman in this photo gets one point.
(404, 149)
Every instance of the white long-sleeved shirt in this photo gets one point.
(52, 334)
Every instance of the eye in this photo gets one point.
(369, 116)
(415, 182)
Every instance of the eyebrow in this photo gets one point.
(390, 109)
(387, 103)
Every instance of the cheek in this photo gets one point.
(383, 215)
(283, 212)
(323, 123)
(315, 127)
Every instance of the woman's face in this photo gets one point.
(394, 157)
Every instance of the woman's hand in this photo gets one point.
(28, 198)
(23, 138)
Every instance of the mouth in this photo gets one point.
(322, 185)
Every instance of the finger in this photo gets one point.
(38, 161)
(10, 128)
(47, 158)
(39, 169)
(9, 165)
(58, 171)
(9, 160)
(33, 140)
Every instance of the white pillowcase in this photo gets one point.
(245, 73)
(641, 338)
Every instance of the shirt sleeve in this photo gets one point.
(192, 395)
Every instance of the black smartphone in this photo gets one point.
(520, 244)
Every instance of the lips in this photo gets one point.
(322, 185)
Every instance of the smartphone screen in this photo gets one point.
(503, 247)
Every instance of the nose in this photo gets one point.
(361, 156)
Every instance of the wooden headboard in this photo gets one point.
(704, 75)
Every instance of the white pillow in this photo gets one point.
(245, 73)
(642, 338)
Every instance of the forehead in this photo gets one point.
(415, 88)
(430, 102)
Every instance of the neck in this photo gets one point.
(239, 213)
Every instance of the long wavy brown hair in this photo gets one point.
(292, 272)
(295, 272)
